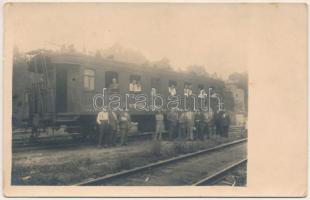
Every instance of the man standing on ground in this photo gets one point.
(124, 125)
(114, 127)
(104, 128)
(160, 127)
(225, 122)
(35, 126)
(200, 125)
(172, 118)
(190, 122)
(182, 125)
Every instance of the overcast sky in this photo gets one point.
(211, 35)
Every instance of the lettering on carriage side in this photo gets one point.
(142, 102)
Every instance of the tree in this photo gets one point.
(98, 54)
(162, 63)
(71, 48)
(241, 81)
(198, 70)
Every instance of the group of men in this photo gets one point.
(186, 125)
(109, 123)
(191, 125)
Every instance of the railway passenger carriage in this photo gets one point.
(64, 94)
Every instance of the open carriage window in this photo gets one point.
(111, 81)
(155, 84)
(200, 87)
(135, 83)
(110, 77)
(89, 79)
(188, 89)
(202, 91)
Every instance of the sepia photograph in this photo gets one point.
(130, 94)
(95, 114)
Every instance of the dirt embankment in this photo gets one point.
(69, 166)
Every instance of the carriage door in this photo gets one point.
(61, 89)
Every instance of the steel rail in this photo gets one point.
(68, 142)
(54, 139)
(217, 176)
(124, 173)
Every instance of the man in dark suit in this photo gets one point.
(124, 125)
(225, 122)
(113, 121)
(217, 122)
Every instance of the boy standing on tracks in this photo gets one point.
(104, 128)
(124, 124)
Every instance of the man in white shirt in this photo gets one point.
(186, 90)
(104, 128)
(189, 90)
(172, 90)
(133, 86)
(190, 120)
(138, 88)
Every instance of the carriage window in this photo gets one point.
(188, 89)
(172, 82)
(135, 83)
(89, 79)
(111, 81)
(154, 85)
(172, 87)
(202, 91)
(155, 82)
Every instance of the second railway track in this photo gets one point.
(193, 167)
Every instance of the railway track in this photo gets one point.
(66, 141)
(182, 170)
(221, 174)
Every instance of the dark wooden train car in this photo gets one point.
(64, 96)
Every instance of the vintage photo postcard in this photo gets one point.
(155, 99)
